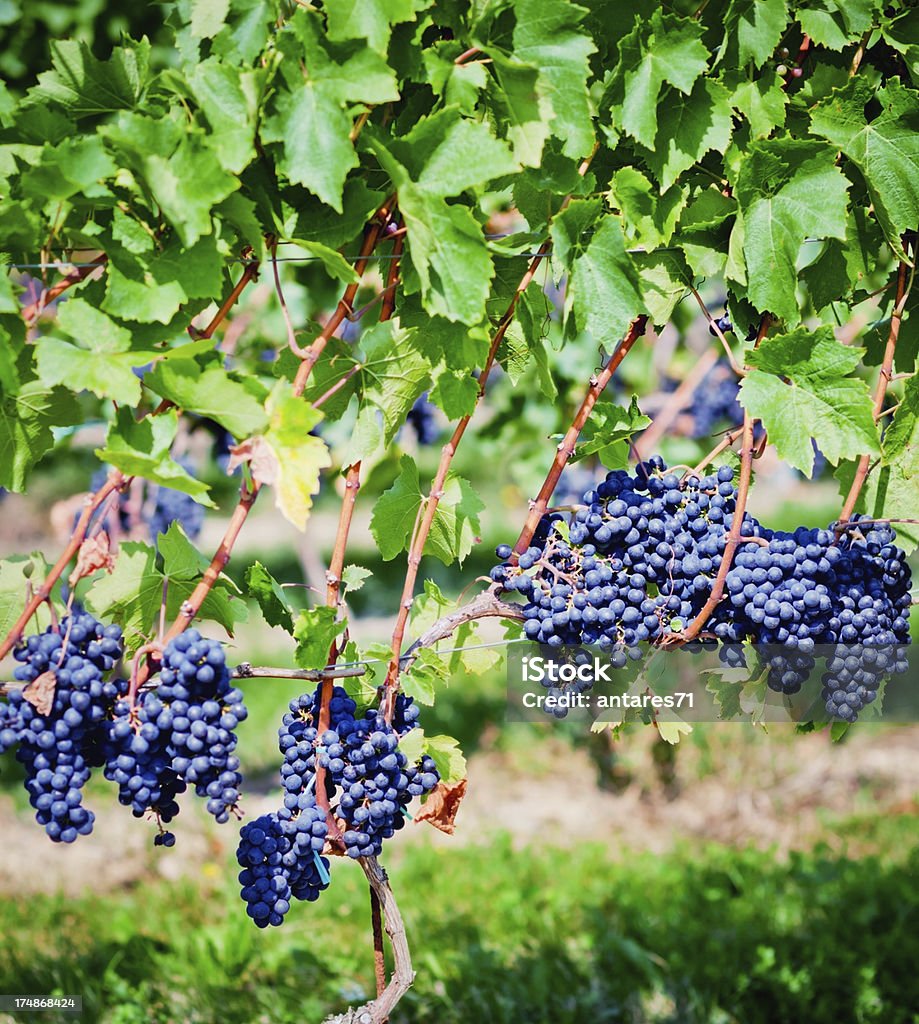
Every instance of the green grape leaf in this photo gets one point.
(665, 279)
(272, 600)
(26, 419)
(85, 86)
(885, 149)
(801, 388)
(142, 448)
(546, 37)
(209, 390)
(890, 491)
(310, 117)
(314, 631)
(17, 573)
(787, 191)
(757, 26)
(372, 20)
(665, 49)
(607, 431)
(649, 217)
(446, 754)
(903, 432)
(100, 362)
(762, 101)
(688, 127)
(455, 525)
(207, 17)
(423, 676)
(132, 595)
(353, 576)
(394, 373)
(604, 291)
(229, 98)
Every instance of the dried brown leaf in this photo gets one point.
(95, 553)
(40, 692)
(263, 463)
(441, 806)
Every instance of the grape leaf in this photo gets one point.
(604, 433)
(300, 455)
(885, 149)
(142, 448)
(207, 17)
(762, 101)
(422, 677)
(101, 362)
(649, 217)
(453, 530)
(816, 399)
(353, 576)
(890, 491)
(787, 191)
(85, 86)
(310, 118)
(448, 757)
(208, 390)
(688, 127)
(314, 631)
(372, 20)
(132, 594)
(903, 432)
(604, 292)
(757, 26)
(229, 98)
(665, 49)
(272, 600)
(26, 419)
(16, 573)
(394, 373)
(546, 37)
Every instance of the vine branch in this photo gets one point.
(896, 318)
(566, 448)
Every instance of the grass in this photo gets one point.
(507, 935)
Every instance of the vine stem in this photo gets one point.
(346, 302)
(676, 402)
(729, 438)
(735, 534)
(34, 310)
(249, 274)
(896, 318)
(566, 448)
(40, 596)
(378, 1011)
(430, 503)
(333, 586)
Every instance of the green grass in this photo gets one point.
(505, 935)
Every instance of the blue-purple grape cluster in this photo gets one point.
(368, 784)
(280, 859)
(364, 768)
(642, 552)
(714, 401)
(182, 733)
(160, 507)
(422, 418)
(58, 749)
